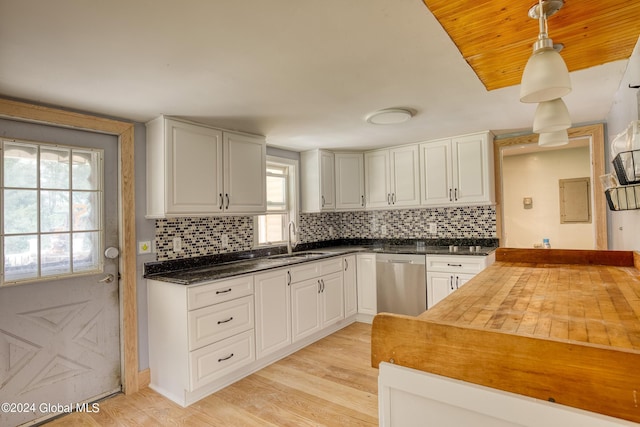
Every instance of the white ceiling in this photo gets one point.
(303, 73)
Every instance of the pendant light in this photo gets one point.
(545, 76)
(553, 139)
(551, 116)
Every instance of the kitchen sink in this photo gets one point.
(300, 255)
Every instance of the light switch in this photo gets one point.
(527, 202)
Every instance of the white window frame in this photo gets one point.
(100, 219)
(292, 196)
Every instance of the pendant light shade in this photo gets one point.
(553, 139)
(551, 116)
(545, 77)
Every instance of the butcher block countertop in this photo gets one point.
(557, 325)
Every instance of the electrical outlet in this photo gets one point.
(224, 240)
(177, 244)
(433, 228)
(144, 247)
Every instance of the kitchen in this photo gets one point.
(621, 115)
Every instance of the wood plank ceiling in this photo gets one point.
(496, 37)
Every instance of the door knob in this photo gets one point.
(111, 253)
(107, 279)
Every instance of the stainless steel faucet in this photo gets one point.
(290, 229)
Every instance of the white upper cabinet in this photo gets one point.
(197, 170)
(317, 181)
(392, 177)
(245, 184)
(457, 171)
(349, 181)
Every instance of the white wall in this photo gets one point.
(536, 175)
(624, 226)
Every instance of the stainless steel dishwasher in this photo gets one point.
(401, 283)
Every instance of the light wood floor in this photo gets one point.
(329, 383)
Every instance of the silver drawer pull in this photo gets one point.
(454, 265)
(223, 292)
(225, 321)
(226, 358)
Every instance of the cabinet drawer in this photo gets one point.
(309, 270)
(217, 322)
(216, 292)
(215, 360)
(456, 264)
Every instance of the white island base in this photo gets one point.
(409, 397)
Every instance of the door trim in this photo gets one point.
(595, 133)
(126, 214)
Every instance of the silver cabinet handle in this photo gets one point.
(323, 201)
(227, 197)
(362, 197)
(223, 292)
(388, 198)
(225, 321)
(225, 358)
(322, 280)
(457, 286)
(455, 194)
(346, 264)
(319, 286)
(221, 202)
(454, 265)
(450, 199)
(451, 281)
(393, 199)
(288, 278)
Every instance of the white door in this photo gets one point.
(59, 320)
(436, 174)
(470, 168)
(366, 284)
(273, 311)
(377, 181)
(332, 297)
(305, 308)
(349, 181)
(245, 175)
(350, 289)
(405, 176)
(327, 181)
(439, 286)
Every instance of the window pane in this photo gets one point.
(276, 193)
(54, 211)
(54, 167)
(20, 165)
(85, 173)
(272, 228)
(85, 211)
(20, 257)
(85, 251)
(20, 211)
(54, 254)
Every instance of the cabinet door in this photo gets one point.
(471, 169)
(460, 279)
(332, 299)
(349, 169)
(350, 286)
(366, 284)
(439, 286)
(405, 176)
(327, 181)
(273, 311)
(245, 161)
(377, 180)
(436, 174)
(305, 308)
(193, 156)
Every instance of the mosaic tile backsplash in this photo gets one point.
(202, 235)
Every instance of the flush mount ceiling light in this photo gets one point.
(551, 116)
(545, 76)
(389, 116)
(553, 139)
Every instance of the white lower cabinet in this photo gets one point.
(447, 273)
(366, 283)
(198, 335)
(350, 286)
(273, 311)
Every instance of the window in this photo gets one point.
(272, 228)
(52, 216)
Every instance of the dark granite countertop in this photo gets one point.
(215, 267)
